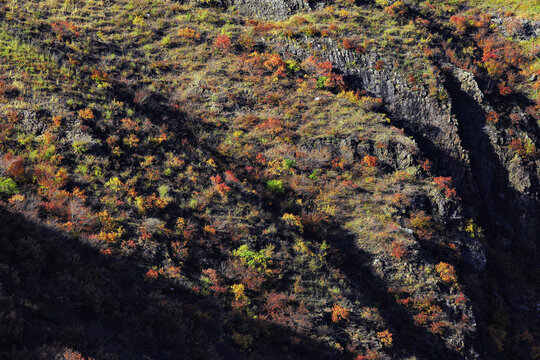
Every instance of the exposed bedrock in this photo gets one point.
(274, 9)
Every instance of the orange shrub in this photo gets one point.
(69, 354)
(370, 161)
(446, 272)
(385, 337)
(86, 114)
(339, 313)
(492, 117)
(189, 34)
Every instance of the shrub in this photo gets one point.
(446, 272)
(443, 183)
(370, 161)
(397, 8)
(219, 185)
(275, 186)
(189, 34)
(255, 259)
(385, 337)
(64, 29)
(398, 251)
(101, 78)
(339, 313)
(69, 354)
(525, 148)
(504, 90)
(461, 23)
(115, 184)
(239, 292)
(421, 222)
(86, 114)
(8, 186)
(223, 42)
(353, 45)
(14, 165)
(323, 73)
(152, 274)
(293, 220)
(492, 117)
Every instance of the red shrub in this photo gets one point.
(152, 274)
(14, 165)
(444, 183)
(223, 42)
(504, 89)
(64, 29)
(220, 186)
(354, 45)
(426, 166)
(398, 250)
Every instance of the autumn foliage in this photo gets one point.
(339, 313)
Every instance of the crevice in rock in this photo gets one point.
(503, 210)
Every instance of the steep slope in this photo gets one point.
(358, 180)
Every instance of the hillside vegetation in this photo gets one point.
(269, 180)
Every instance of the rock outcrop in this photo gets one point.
(273, 9)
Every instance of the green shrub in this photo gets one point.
(275, 186)
(8, 186)
(288, 163)
(255, 259)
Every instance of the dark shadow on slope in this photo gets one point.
(506, 214)
(58, 292)
(500, 205)
(356, 264)
(410, 339)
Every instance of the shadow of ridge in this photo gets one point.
(501, 210)
(505, 205)
(410, 340)
(58, 292)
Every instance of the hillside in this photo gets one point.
(269, 179)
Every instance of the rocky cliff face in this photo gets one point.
(427, 118)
